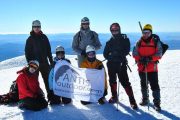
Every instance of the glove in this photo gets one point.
(5, 99)
(99, 67)
(83, 53)
(145, 60)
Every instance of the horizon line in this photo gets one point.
(75, 33)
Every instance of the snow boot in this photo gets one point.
(66, 100)
(156, 100)
(101, 101)
(85, 102)
(157, 107)
(114, 97)
(144, 102)
(133, 103)
(53, 99)
(113, 100)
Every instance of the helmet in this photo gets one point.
(147, 27)
(34, 62)
(90, 48)
(85, 20)
(36, 23)
(59, 49)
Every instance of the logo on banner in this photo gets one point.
(72, 82)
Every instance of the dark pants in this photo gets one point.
(45, 69)
(117, 69)
(153, 80)
(34, 104)
(54, 99)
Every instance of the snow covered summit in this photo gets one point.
(169, 81)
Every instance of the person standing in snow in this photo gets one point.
(115, 51)
(93, 63)
(83, 38)
(52, 98)
(147, 52)
(30, 94)
(38, 48)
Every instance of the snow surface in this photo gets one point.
(169, 81)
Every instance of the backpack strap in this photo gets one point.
(79, 36)
(156, 39)
(124, 36)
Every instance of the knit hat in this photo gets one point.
(36, 23)
(34, 63)
(85, 20)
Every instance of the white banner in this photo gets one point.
(78, 83)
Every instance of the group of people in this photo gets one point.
(85, 43)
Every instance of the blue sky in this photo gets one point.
(63, 16)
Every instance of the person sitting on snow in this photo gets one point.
(52, 98)
(92, 62)
(31, 96)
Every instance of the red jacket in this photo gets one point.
(143, 49)
(28, 85)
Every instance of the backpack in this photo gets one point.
(12, 96)
(156, 40)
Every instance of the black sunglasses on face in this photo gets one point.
(36, 26)
(85, 23)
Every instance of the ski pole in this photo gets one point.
(146, 74)
(118, 96)
(103, 60)
(129, 68)
(140, 26)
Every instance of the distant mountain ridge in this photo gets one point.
(12, 45)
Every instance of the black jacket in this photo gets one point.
(117, 48)
(38, 48)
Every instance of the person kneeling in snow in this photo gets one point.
(31, 96)
(92, 62)
(52, 98)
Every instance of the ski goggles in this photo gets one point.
(33, 66)
(60, 52)
(91, 54)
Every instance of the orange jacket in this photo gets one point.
(147, 49)
(94, 65)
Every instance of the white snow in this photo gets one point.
(169, 81)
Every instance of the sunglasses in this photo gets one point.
(36, 26)
(85, 23)
(146, 32)
(33, 66)
(91, 53)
